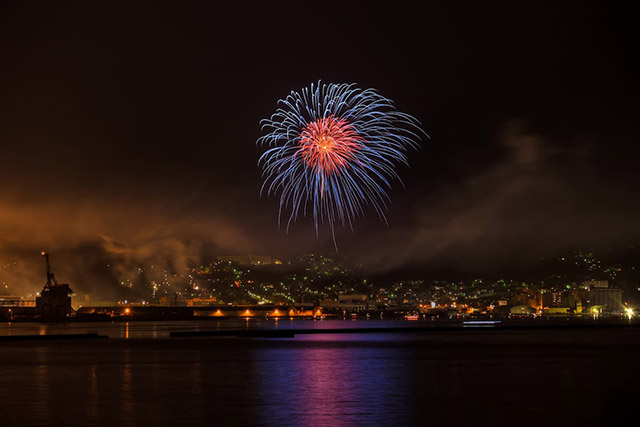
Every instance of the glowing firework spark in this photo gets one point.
(328, 144)
(335, 147)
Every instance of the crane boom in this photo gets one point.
(51, 280)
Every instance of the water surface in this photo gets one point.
(543, 377)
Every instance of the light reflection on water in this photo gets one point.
(94, 393)
(162, 329)
(330, 386)
(572, 377)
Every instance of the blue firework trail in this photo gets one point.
(334, 149)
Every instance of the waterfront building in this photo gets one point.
(608, 298)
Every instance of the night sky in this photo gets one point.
(128, 131)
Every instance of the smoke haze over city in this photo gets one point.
(134, 144)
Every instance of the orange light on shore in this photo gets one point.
(127, 310)
(247, 313)
(218, 313)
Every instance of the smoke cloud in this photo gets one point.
(99, 246)
(537, 201)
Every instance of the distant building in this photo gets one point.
(608, 298)
(551, 299)
(557, 310)
(556, 299)
(522, 310)
(568, 300)
(353, 298)
(348, 302)
(590, 284)
(54, 302)
(187, 301)
(14, 301)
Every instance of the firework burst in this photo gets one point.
(333, 148)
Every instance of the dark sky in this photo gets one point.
(128, 130)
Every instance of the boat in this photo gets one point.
(481, 323)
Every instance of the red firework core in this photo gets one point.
(329, 144)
